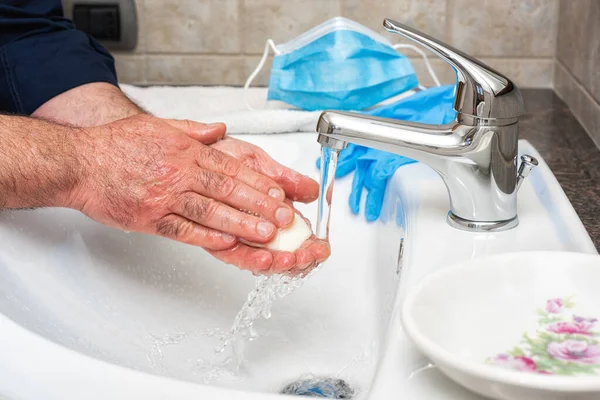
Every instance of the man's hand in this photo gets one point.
(297, 187)
(262, 261)
(145, 174)
(156, 176)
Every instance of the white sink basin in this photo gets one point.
(83, 306)
(78, 299)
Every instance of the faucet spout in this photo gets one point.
(422, 142)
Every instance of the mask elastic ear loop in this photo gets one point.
(427, 64)
(269, 44)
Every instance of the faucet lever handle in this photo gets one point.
(481, 91)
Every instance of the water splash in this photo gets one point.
(268, 288)
(228, 361)
(155, 356)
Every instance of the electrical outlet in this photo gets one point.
(112, 22)
(99, 20)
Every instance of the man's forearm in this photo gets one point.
(88, 105)
(39, 163)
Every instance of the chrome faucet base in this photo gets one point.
(481, 226)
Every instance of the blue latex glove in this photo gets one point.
(373, 167)
(373, 170)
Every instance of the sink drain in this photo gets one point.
(327, 388)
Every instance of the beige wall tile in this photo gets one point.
(525, 73)
(444, 72)
(428, 16)
(192, 26)
(565, 86)
(590, 117)
(570, 47)
(583, 106)
(578, 45)
(141, 39)
(195, 70)
(592, 82)
(131, 68)
(520, 44)
(509, 28)
(281, 20)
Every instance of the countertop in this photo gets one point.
(569, 152)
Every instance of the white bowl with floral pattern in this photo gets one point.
(517, 326)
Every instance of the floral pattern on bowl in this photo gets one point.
(563, 344)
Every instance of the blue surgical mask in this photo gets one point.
(340, 65)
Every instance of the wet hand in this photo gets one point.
(297, 187)
(266, 262)
(148, 175)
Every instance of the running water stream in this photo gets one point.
(230, 352)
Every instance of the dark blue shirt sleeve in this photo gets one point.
(42, 55)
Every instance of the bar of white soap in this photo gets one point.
(288, 239)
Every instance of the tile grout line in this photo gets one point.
(582, 89)
(558, 3)
(557, 30)
(449, 15)
(144, 13)
(213, 54)
(241, 7)
(579, 84)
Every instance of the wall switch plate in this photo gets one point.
(112, 22)
(101, 21)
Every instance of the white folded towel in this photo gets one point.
(221, 104)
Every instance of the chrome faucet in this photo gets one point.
(475, 155)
